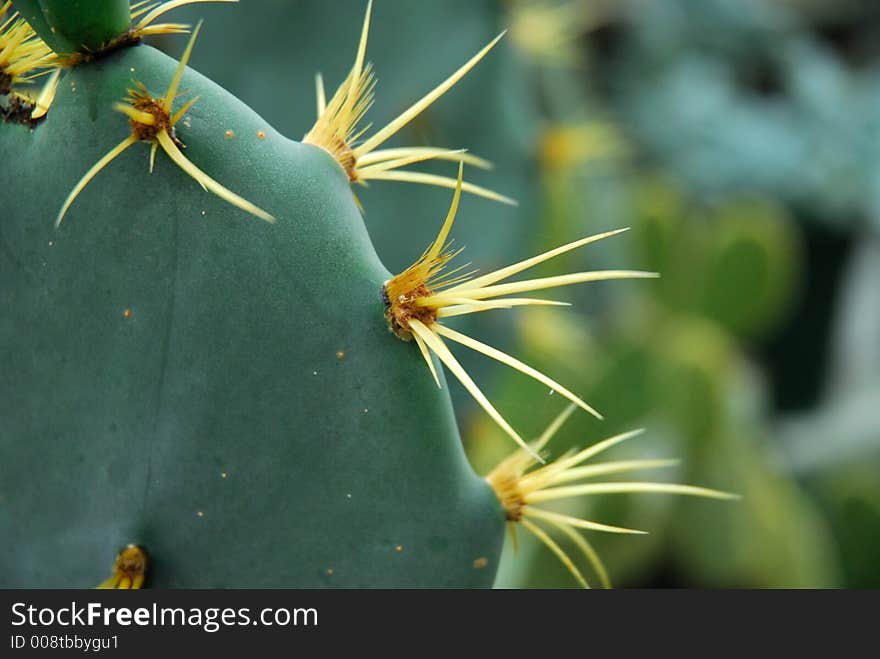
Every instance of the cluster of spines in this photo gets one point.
(129, 570)
(338, 128)
(416, 300)
(24, 57)
(522, 484)
(420, 297)
(152, 121)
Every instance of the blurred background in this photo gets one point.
(740, 139)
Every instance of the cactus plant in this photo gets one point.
(220, 396)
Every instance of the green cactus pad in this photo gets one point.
(70, 26)
(220, 390)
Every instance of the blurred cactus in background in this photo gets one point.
(747, 164)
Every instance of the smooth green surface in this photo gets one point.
(117, 430)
